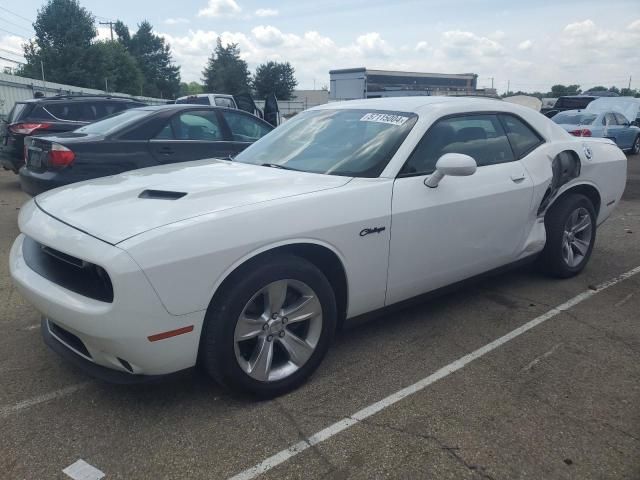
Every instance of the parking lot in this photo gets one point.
(559, 400)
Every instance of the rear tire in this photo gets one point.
(571, 233)
(635, 149)
(269, 327)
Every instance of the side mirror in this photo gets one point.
(453, 164)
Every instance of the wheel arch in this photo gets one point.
(587, 189)
(321, 254)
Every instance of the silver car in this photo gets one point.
(613, 125)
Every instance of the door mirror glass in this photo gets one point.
(452, 164)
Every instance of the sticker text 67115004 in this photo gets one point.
(384, 118)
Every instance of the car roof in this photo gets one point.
(183, 106)
(412, 104)
(77, 98)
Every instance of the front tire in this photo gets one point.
(269, 327)
(571, 233)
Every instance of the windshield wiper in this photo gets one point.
(277, 165)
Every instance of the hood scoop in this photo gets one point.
(162, 194)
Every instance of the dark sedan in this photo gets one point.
(137, 138)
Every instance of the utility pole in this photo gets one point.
(111, 24)
(508, 86)
(491, 82)
(629, 87)
(42, 69)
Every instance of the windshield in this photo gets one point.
(115, 121)
(573, 102)
(569, 118)
(355, 143)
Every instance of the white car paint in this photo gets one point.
(166, 259)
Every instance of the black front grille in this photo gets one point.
(69, 338)
(68, 271)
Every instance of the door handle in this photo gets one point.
(517, 177)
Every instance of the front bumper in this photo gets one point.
(110, 331)
(80, 361)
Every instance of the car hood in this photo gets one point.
(119, 207)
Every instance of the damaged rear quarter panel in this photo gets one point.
(605, 171)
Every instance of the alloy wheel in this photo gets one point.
(576, 238)
(278, 330)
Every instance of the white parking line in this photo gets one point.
(374, 408)
(63, 392)
(81, 470)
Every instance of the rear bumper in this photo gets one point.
(33, 183)
(109, 332)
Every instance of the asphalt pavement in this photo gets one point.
(559, 400)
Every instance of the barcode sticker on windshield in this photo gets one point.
(384, 118)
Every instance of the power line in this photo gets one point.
(11, 52)
(16, 25)
(13, 33)
(11, 60)
(16, 14)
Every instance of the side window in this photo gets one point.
(522, 137)
(166, 133)
(245, 128)
(621, 119)
(609, 119)
(73, 111)
(197, 126)
(224, 102)
(480, 136)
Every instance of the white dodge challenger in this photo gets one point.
(248, 266)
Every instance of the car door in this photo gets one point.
(466, 225)
(245, 129)
(611, 128)
(626, 134)
(191, 135)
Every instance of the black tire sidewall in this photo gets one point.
(555, 221)
(217, 346)
(635, 149)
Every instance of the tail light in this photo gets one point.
(60, 156)
(28, 128)
(581, 132)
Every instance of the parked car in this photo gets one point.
(568, 102)
(211, 99)
(249, 265)
(628, 106)
(244, 101)
(57, 114)
(613, 125)
(137, 138)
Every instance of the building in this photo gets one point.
(352, 83)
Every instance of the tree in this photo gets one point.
(161, 78)
(112, 67)
(598, 88)
(191, 88)
(274, 77)
(561, 90)
(63, 34)
(226, 72)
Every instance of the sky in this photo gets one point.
(526, 45)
